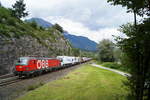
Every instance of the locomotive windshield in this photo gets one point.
(22, 61)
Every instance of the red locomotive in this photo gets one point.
(27, 66)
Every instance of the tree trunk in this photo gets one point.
(135, 23)
(148, 94)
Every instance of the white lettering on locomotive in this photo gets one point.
(46, 64)
(42, 64)
(39, 64)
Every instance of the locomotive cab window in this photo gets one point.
(61, 60)
(22, 61)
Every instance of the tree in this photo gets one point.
(58, 27)
(76, 51)
(139, 7)
(105, 51)
(137, 49)
(34, 24)
(117, 54)
(0, 4)
(19, 9)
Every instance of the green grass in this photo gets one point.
(85, 83)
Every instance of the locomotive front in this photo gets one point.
(21, 66)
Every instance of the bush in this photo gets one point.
(34, 25)
(4, 31)
(11, 21)
(5, 13)
(117, 66)
(111, 65)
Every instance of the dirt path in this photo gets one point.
(116, 71)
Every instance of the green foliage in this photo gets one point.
(11, 21)
(4, 14)
(13, 27)
(4, 31)
(58, 27)
(117, 66)
(140, 7)
(136, 48)
(34, 24)
(19, 9)
(76, 52)
(97, 62)
(87, 54)
(112, 65)
(105, 51)
(117, 54)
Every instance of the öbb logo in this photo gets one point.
(42, 64)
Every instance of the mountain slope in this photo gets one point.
(19, 38)
(76, 41)
(40, 22)
(81, 42)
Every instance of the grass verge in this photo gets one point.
(85, 83)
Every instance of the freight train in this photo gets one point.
(27, 66)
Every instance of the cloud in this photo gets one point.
(80, 29)
(95, 19)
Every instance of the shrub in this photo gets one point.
(4, 31)
(114, 65)
(34, 25)
(11, 21)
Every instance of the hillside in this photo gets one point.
(80, 42)
(19, 38)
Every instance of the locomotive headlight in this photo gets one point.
(20, 66)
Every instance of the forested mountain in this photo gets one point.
(81, 42)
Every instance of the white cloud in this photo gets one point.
(95, 19)
(79, 29)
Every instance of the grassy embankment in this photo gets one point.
(85, 83)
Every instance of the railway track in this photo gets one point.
(8, 79)
(6, 76)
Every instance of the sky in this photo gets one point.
(95, 19)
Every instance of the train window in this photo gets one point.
(22, 61)
(60, 59)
